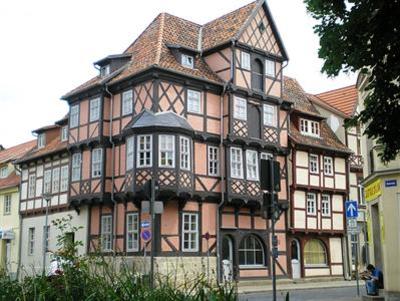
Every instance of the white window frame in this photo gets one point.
(311, 203)
(252, 165)
(312, 162)
(94, 108)
(252, 250)
(236, 162)
(41, 140)
(184, 153)
(4, 172)
(127, 102)
(266, 156)
(187, 60)
(76, 167)
(47, 181)
(145, 149)
(194, 101)
(97, 160)
(106, 233)
(31, 241)
(328, 166)
(31, 186)
(132, 232)
(325, 205)
(245, 61)
(190, 234)
(270, 68)
(213, 160)
(74, 116)
(7, 204)
(269, 115)
(130, 154)
(64, 178)
(55, 180)
(64, 133)
(105, 70)
(240, 108)
(165, 151)
(309, 127)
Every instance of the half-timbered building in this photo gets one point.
(45, 177)
(194, 107)
(319, 187)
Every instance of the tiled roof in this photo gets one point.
(52, 147)
(317, 101)
(328, 140)
(16, 152)
(294, 93)
(11, 181)
(344, 99)
(225, 28)
(151, 47)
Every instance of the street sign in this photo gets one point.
(390, 183)
(351, 209)
(352, 226)
(145, 235)
(145, 224)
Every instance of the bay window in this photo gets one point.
(166, 151)
(236, 163)
(252, 165)
(184, 153)
(145, 151)
(240, 108)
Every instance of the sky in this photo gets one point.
(48, 48)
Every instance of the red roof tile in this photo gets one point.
(11, 181)
(52, 147)
(344, 99)
(16, 152)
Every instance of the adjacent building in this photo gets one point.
(382, 195)
(9, 204)
(45, 178)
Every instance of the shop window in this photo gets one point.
(315, 253)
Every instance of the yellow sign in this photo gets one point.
(373, 190)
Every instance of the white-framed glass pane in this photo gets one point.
(252, 165)
(240, 108)
(236, 163)
(31, 186)
(328, 168)
(106, 233)
(76, 166)
(184, 153)
(325, 204)
(270, 117)
(213, 160)
(94, 109)
(47, 181)
(7, 204)
(41, 140)
(132, 232)
(145, 151)
(96, 162)
(64, 178)
(269, 68)
(64, 133)
(31, 241)
(55, 186)
(129, 153)
(266, 156)
(3, 172)
(127, 102)
(251, 252)
(187, 61)
(74, 116)
(245, 60)
(194, 101)
(313, 163)
(166, 151)
(314, 253)
(105, 70)
(311, 203)
(190, 232)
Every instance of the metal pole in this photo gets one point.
(45, 236)
(152, 199)
(274, 213)
(357, 276)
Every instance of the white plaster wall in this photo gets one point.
(326, 223)
(317, 272)
(335, 246)
(340, 165)
(337, 202)
(314, 180)
(328, 182)
(311, 222)
(337, 221)
(340, 181)
(299, 219)
(302, 159)
(302, 176)
(299, 199)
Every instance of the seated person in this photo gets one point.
(374, 279)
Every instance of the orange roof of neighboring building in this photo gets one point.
(343, 99)
(10, 181)
(16, 152)
(52, 147)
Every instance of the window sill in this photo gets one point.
(316, 266)
(252, 267)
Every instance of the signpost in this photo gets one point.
(351, 208)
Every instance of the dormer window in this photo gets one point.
(64, 133)
(3, 172)
(105, 70)
(187, 61)
(41, 140)
(309, 127)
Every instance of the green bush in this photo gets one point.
(96, 278)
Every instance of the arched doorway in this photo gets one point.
(227, 258)
(295, 256)
(295, 249)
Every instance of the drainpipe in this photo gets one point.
(20, 225)
(112, 169)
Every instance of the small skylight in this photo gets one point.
(187, 61)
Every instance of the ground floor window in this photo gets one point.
(106, 233)
(315, 253)
(251, 252)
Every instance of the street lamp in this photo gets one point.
(47, 198)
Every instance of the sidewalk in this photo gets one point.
(289, 285)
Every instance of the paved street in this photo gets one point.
(325, 294)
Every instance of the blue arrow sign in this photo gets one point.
(145, 224)
(351, 209)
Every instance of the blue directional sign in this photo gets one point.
(351, 209)
(390, 183)
(145, 224)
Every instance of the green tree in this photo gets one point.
(364, 36)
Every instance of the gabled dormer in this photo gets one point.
(309, 127)
(184, 56)
(111, 63)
